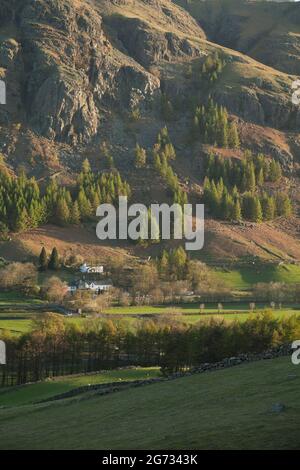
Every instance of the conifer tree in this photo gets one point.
(260, 177)
(268, 207)
(140, 156)
(54, 260)
(177, 262)
(21, 220)
(274, 171)
(249, 180)
(223, 136)
(43, 260)
(233, 136)
(62, 212)
(75, 214)
(256, 210)
(283, 205)
(84, 205)
(95, 201)
(86, 167)
(237, 211)
(157, 162)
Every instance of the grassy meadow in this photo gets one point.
(132, 315)
(226, 409)
(245, 277)
(32, 393)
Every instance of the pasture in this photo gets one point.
(32, 393)
(246, 277)
(226, 409)
(185, 313)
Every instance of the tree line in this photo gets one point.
(23, 205)
(56, 347)
(163, 153)
(233, 188)
(246, 174)
(211, 124)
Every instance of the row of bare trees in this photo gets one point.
(56, 347)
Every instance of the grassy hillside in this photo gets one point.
(219, 410)
(245, 277)
(44, 390)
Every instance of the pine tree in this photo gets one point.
(274, 171)
(95, 201)
(256, 214)
(157, 162)
(54, 260)
(268, 207)
(86, 167)
(178, 260)
(223, 140)
(252, 207)
(75, 214)
(43, 260)
(260, 177)
(140, 156)
(84, 205)
(249, 180)
(237, 211)
(283, 205)
(233, 136)
(21, 220)
(214, 198)
(62, 212)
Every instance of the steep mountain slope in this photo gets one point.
(77, 71)
(267, 32)
(69, 63)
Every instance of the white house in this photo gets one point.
(86, 269)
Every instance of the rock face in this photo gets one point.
(58, 52)
(69, 65)
(149, 46)
(68, 69)
(69, 73)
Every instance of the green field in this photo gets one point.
(16, 326)
(16, 311)
(235, 316)
(226, 409)
(43, 390)
(246, 277)
(15, 298)
(131, 315)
